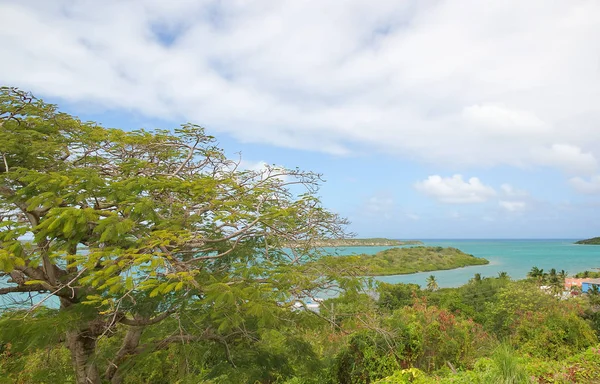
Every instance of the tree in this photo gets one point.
(131, 231)
(503, 275)
(537, 274)
(395, 296)
(538, 323)
(563, 274)
(432, 284)
(593, 295)
(534, 272)
(556, 281)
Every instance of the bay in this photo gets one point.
(516, 257)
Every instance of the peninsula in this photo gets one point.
(400, 261)
(592, 241)
(370, 242)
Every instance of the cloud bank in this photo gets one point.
(455, 190)
(450, 82)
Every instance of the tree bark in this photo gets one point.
(128, 347)
(82, 346)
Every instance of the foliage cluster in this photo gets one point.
(587, 274)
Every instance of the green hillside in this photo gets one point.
(370, 242)
(592, 241)
(397, 261)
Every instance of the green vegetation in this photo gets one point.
(592, 241)
(588, 274)
(371, 242)
(553, 278)
(145, 242)
(397, 261)
(432, 284)
(155, 260)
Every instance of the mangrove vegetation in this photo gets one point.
(398, 261)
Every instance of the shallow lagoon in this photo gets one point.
(516, 257)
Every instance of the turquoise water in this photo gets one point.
(516, 257)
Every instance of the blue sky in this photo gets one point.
(428, 119)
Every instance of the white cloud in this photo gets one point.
(515, 200)
(380, 206)
(455, 190)
(584, 186)
(488, 83)
(249, 165)
(569, 158)
(413, 216)
(505, 119)
(513, 206)
(510, 191)
(264, 168)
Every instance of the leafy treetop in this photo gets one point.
(132, 228)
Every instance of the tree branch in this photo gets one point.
(144, 322)
(21, 289)
(187, 159)
(5, 163)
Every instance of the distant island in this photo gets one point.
(371, 242)
(592, 241)
(400, 261)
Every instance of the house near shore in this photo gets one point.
(571, 282)
(587, 285)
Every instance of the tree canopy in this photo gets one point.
(126, 230)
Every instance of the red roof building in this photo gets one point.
(571, 282)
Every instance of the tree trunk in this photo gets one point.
(128, 348)
(82, 347)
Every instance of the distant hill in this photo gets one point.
(372, 242)
(398, 261)
(592, 241)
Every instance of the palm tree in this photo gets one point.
(432, 284)
(586, 274)
(557, 285)
(555, 282)
(477, 278)
(594, 296)
(563, 274)
(535, 273)
(543, 277)
(503, 275)
(538, 274)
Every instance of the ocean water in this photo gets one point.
(516, 257)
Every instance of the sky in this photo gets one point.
(427, 119)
